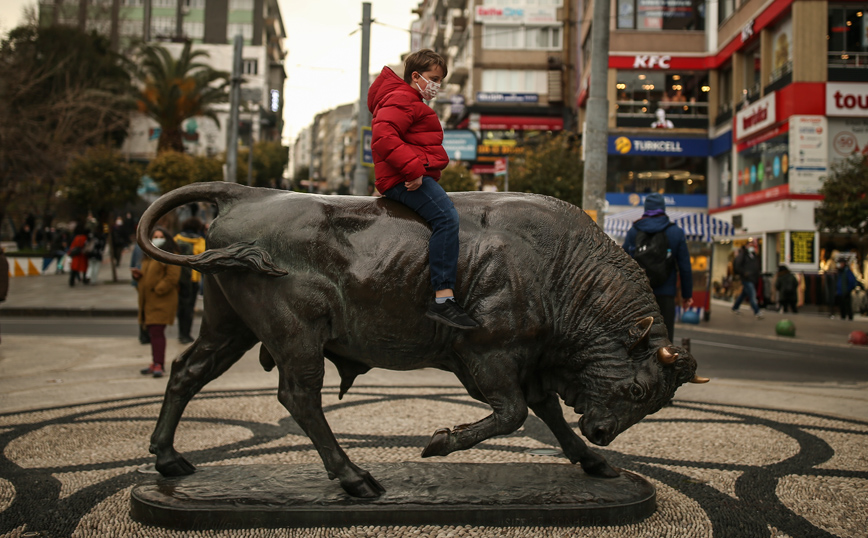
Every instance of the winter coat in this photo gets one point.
(198, 243)
(788, 285)
(845, 282)
(4, 276)
(79, 261)
(678, 246)
(158, 292)
(748, 266)
(406, 137)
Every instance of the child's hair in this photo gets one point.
(421, 61)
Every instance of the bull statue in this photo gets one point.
(565, 314)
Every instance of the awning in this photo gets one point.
(518, 123)
(696, 226)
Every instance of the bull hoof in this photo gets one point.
(174, 464)
(437, 445)
(363, 486)
(599, 468)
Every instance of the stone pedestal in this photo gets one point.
(425, 493)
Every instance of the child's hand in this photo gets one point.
(413, 185)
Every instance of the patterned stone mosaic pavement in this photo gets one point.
(720, 470)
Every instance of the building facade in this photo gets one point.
(738, 109)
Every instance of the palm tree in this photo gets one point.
(176, 89)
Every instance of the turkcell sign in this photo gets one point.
(460, 145)
(495, 97)
(684, 147)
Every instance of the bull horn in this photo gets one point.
(698, 379)
(665, 356)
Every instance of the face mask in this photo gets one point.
(158, 241)
(430, 91)
(751, 250)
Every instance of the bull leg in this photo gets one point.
(301, 393)
(549, 410)
(222, 340)
(500, 389)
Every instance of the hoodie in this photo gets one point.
(678, 246)
(406, 137)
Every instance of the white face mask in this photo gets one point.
(430, 91)
(158, 241)
(751, 250)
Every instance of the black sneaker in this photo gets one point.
(450, 313)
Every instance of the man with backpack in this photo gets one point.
(660, 248)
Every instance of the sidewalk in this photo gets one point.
(50, 295)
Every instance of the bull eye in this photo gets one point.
(636, 391)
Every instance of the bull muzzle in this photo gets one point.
(600, 431)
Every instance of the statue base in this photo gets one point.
(496, 494)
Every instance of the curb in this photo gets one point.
(67, 312)
(765, 337)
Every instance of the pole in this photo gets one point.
(234, 102)
(597, 115)
(360, 182)
(250, 155)
(179, 21)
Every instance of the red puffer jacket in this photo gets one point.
(407, 139)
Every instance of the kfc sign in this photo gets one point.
(650, 62)
(847, 99)
(756, 117)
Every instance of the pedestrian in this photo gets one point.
(136, 265)
(4, 275)
(94, 249)
(120, 240)
(158, 299)
(660, 247)
(787, 286)
(407, 147)
(748, 266)
(190, 243)
(845, 283)
(78, 258)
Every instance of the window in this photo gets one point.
(194, 30)
(195, 4)
(522, 37)
(724, 89)
(763, 166)
(848, 35)
(678, 93)
(724, 10)
(249, 66)
(245, 29)
(514, 80)
(240, 5)
(661, 14)
(752, 74)
(163, 26)
(131, 28)
(645, 174)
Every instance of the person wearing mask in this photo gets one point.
(748, 266)
(190, 243)
(660, 248)
(157, 284)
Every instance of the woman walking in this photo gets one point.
(158, 299)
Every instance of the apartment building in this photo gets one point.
(737, 109)
(511, 67)
(211, 25)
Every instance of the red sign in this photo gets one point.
(499, 167)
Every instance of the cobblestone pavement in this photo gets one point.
(720, 470)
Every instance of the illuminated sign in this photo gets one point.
(651, 61)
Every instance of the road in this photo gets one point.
(719, 355)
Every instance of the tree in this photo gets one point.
(269, 161)
(552, 168)
(456, 178)
(845, 205)
(171, 170)
(61, 91)
(175, 90)
(102, 182)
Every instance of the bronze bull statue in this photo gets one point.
(564, 313)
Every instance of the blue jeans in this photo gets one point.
(748, 290)
(432, 204)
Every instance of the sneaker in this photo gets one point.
(759, 315)
(736, 312)
(149, 370)
(185, 340)
(158, 370)
(450, 313)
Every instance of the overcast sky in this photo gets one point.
(322, 64)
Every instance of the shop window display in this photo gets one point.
(847, 35)
(763, 165)
(642, 174)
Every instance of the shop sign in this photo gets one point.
(460, 145)
(457, 102)
(515, 15)
(672, 200)
(644, 61)
(846, 99)
(685, 147)
(496, 97)
(491, 150)
(802, 247)
(756, 117)
(847, 136)
(809, 153)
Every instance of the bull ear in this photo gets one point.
(639, 333)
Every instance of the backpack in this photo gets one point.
(654, 256)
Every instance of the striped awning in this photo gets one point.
(696, 226)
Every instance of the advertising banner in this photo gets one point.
(809, 153)
(847, 136)
(460, 145)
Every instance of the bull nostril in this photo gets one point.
(599, 433)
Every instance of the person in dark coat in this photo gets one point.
(407, 147)
(4, 276)
(655, 220)
(788, 289)
(748, 266)
(845, 283)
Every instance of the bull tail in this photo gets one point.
(242, 255)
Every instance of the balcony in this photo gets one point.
(641, 114)
(455, 31)
(848, 66)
